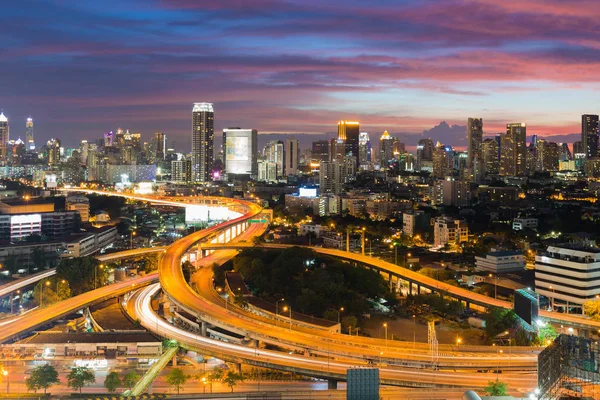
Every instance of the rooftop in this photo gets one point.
(505, 253)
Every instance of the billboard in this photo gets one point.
(308, 192)
(238, 148)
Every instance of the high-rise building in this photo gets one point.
(83, 151)
(4, 138)
(292, 154)
(364, 149)
(349, 131)
(398, 148)
(181, 170)
(546, 156)
(337, 149)
(449, 231)
(489, 156)
(589, 135)
(424, 153)
(203, 141)
(160, 146)
(274, 152)
(386, 149)
(518, 131)
(440, 161)
(240, 148)
(53, 152)
(29, 142)
(475, 137)
(507, 155)
(564, 152)
(320, 151)
(331, 177)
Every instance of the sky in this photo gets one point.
(81, 68)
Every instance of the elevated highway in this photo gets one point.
(15, 285)
(329, 368)
(415, 278)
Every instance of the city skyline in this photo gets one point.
(401, 69)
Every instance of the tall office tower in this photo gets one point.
(29, 142)
(240, 148)
(331, 177)
(547, 156)
(386, 149)
(203, 141)
(589, 135)
(564, 152)
(518, 132)
(320, 151)
(274, 152)
(53, 152)
(348, 131)
(475, 137)
(119, 139)
(398, 148)
(489, 156)
(337, 150)
(534, 140)
(440, 161)
(84, 147)
(364, 149)
(424, 152)
(109, 139)
(292, 154)
(507, 155)
(4, 137)
(160, 146)
(498, 139)
(181, 170)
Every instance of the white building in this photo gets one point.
(568, 274)
(501, 261)
(520, 224)
(448, 230)
(409, 222)
(317, 230)
(240, 152)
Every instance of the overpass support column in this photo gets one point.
(331, 384)
(203, 328)
(410, 285)
(175, 360)
(391, 280)
(467, 305)
(418, 289)
(238, 367)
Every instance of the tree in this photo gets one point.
(53, 291)
(232, 379)
(218, 274)
(80, 377)
(591, 308)
(112, 382)
(496, 388)
(130, 379)
(177, 378)
(42, 377)
(82, 273)
(349, 322)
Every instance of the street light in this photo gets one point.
(458, 341)
(495, 285)
(385, 326)
(414, 331)
(47, 283)
(339, 312)
(277, 309)
(57, 282)
(133, 233)
(5, 373)
(101, 266)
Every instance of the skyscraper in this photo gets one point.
(160, 145)
(475, 136)
(274, 152)
(53, 152)
(292, 153)
(240, 148)
(424, 152)
(348, 131)
(29, 143)
(489, 155)
(507, 155)
(331, 177)
(203, 141)
(386, 149)
(518, 133)
(364, 149)
(320, 151)
(440, 161)
(589, 135)
(4, 138)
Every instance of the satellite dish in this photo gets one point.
(470, 395)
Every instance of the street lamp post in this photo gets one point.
(385, 326)
(101, 266)
(5, 373)
(277, 309)
(286, 308)
(339, 312)
(414, 331)
(47, 283)
(495, 286)
(133, 233)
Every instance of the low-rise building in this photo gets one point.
(447, 230)
(336, 240)
(520, 224)
(317, 230)
(567, 274)
(501, 261)
(81, 204)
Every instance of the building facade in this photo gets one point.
(203, 141)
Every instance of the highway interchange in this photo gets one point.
(323, 354)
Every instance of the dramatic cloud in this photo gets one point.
(82, 68)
